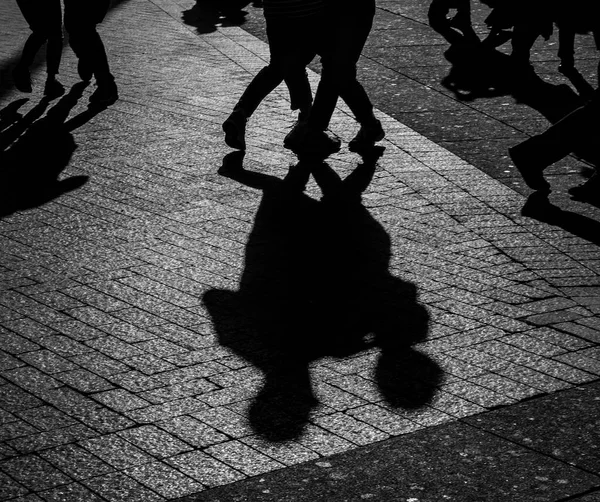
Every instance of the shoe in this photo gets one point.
(53, 89)
(590, 190)
(105, 94)
(84, 71)
(532, 172)
(22, 78)
(367, 136)
(303, 140)
(235, 130)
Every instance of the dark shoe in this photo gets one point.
(303, 140)
(367, 136)
(105, 94)
(53, 89)
(85, 71)
(590, 190)
(22, 79)
(235, 130)
(531, 171)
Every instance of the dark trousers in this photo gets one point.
(45, 21)
(81, 20)
(291, 47)
(347, 30)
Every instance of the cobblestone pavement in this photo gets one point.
(140, 264)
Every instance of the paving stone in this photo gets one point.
(9, 488)
(102, 292)
(205, 469)
(48, 439)
(117, 487)
(193, 431)
(154, 441)
(120, 400)
(116, 451)
(33, 472)
(243, 458)
(72, 492)
(76, 462)
(84, 381)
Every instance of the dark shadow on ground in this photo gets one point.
(35, 149)
(316, 283)
(479, 71)
(540, 208)
(207, 15)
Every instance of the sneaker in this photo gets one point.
(84, 71)
(22, 78)
(367, 136)
(532, 172)
(235, 130)
(303, 140)
(53, 88)
(105, 94)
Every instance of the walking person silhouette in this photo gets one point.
(290, 26)
(347, 24)
(45, 21)
(81, 20)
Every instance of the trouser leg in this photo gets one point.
(342, 49)
(81, 20)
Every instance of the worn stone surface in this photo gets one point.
(175, 317)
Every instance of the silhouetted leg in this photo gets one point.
(522, 41)
(30, 49)
(338, 77)
(45, 20)
(265, 81)
(287, 62)
(576, 130)
(34, 15)
(81, 20)
(566, 51)
(290, 52)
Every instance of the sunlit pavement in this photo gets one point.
(140, 261)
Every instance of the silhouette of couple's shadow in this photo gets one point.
(316, 284)
(35, 149)
(206, 15)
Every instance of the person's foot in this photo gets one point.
(235, 130)
(367, 136)
(105, 94)
(531, 171)
(22, 78)
(84, 71)
(590, 190)
(53, 88)
(304, 140)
